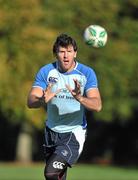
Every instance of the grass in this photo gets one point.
(15, 171)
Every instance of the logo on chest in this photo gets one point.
(52, 80)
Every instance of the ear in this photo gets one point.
(75, 54)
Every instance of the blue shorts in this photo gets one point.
(67, 145)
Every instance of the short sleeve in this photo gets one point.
(91, 80)
(40, 79)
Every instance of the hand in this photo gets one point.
(76, 92)
(48, 94)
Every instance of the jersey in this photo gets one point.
(64, 112)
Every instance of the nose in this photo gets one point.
(65, 54)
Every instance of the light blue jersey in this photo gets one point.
(65, 113)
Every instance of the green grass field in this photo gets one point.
(15, 171)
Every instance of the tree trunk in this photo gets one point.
(24, 143)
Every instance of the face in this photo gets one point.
(66, 57)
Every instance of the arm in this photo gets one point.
(92, 101)
(35, 98)
(39, 97)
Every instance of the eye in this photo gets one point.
(61, 52)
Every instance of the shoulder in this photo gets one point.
(90, 76)
(42, 75)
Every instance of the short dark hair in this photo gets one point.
(64, 40)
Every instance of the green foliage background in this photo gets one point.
(27, 32)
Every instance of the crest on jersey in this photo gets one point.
(52, 80)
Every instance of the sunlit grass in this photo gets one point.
(16, 171)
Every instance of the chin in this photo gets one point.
(64, 68)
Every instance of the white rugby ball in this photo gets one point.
(95, 36)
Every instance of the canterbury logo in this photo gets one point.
(58, 165)
(53, 80)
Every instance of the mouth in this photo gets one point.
(65, 62)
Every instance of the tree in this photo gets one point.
(27, 32)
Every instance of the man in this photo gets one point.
(65, 88)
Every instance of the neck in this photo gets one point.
(66, 70)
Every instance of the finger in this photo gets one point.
(69, 88)
(77, 87)
(75, 82)
(49, 86)
(57, 91)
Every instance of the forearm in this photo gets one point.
(91, 103)
(35, 102)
